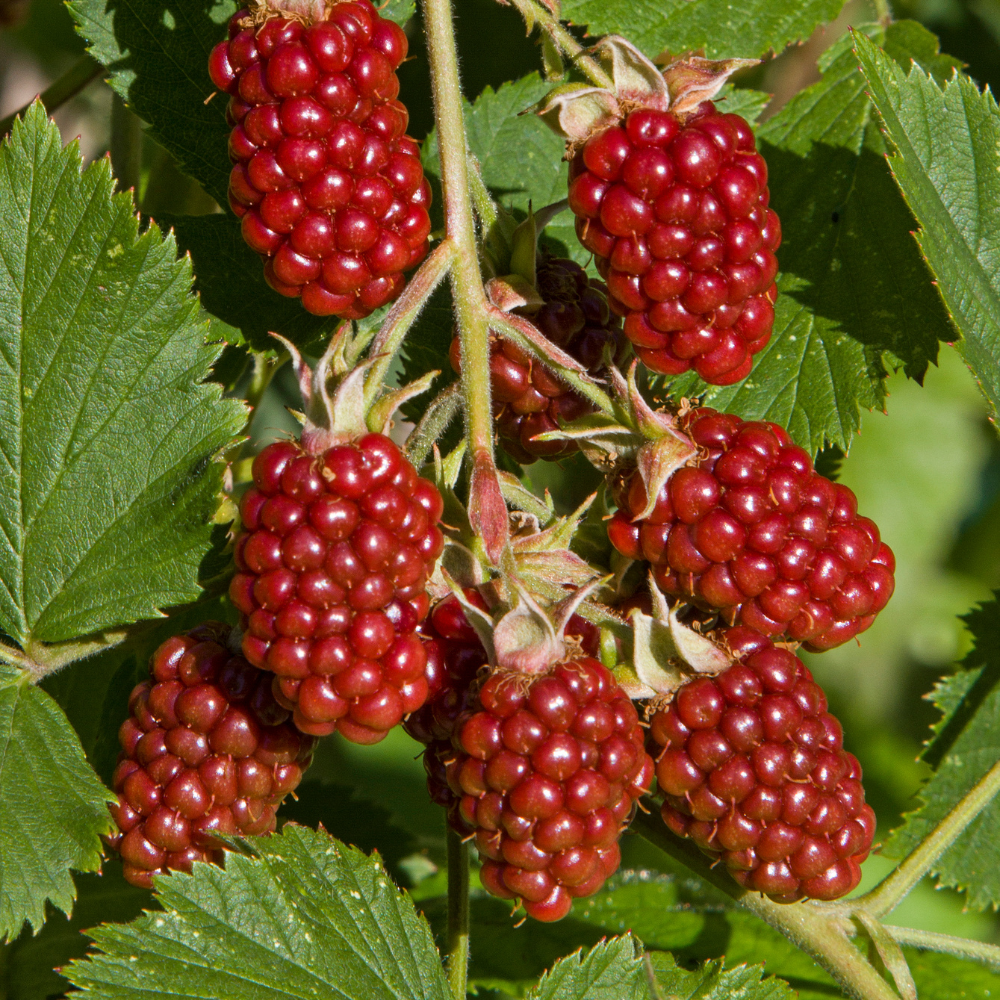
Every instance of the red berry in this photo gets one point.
(545, 770)
(753, 528)
(334, 558)
(752, 768)
(676, 214)
(206, 749)
(329, 189)
(528, 399)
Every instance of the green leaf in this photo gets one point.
(720, 27)
(944, 141)
(856, 298)
(109, 435)
(611, 970)
(965, 745)
(53, 805)
(714, 982)
(299, 915)
(27, 968)
(157, 57)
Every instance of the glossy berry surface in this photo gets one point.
(548, 768)
(676, 215)
(206, 749)
(753, 530)
(528, 399)
(332, 564)
(753, 770)
(329, 189)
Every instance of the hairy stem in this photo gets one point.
(821, 934)
(458, 914)
(886, 896)
(535, 13)
(440, 412)
(977, 951)
(403, 315)
(85, 69)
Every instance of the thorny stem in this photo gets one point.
(886, 896)
(85, 69)
(584, 386)
(535, 13)
(404, 314)
(977, 951)
(458, 914)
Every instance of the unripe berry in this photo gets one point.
(206, 749)
(329, 189)
(752, 768)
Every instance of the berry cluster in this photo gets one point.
(330, 190)
(548, 768)
(333, 562)
(753, 770)
(676, 214)
(528, 399)
(753, 528)
(205, 750)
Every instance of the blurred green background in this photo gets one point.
(928, 471)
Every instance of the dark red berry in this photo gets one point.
(676, 213)
(332, 566)
(752, 768)
(206, 749)
(545, 772)
(528, 399)
(753, 528)
(329, 188)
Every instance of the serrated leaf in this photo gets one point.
(109, 433)
(53, 806)
(715, 982)
(611, 970)
(157, 58)
(856, 298)
(944, 156)
(299, 915)
(720, 27)
(965, 745)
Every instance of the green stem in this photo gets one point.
(403, 315)
(581, 384)
(535, 13)
(886, 896)
(436, 419)
(883, 11)
(458, 914)
(822, 935)
(977, 951)
(85, 69)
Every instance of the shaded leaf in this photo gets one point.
(53, 806)
(856, 298)
(110, 434)
(944, 143)
(713, 981)
(299, 915)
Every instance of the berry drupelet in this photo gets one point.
(753, 770)
(206, 749)
(675, 211)
(528, 399)
(548, 768)
(333, 558)
(329, 189)
(751, 529)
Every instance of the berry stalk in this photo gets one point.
(458, 914)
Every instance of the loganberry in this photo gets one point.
(675, 211)
(528, 399)
(548, 767)
(206, 749)
(329, 189)
(753, 770)
(752, 528)
(332, 560)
